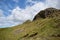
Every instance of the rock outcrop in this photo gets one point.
(49, 12)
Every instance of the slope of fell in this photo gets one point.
(40, 29)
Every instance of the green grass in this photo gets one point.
(45, 28)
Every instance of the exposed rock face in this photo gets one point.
(49, 12)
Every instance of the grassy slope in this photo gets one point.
(44, 27)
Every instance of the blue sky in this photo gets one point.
(14, 12)
(6, 5)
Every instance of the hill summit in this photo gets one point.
(47, 13)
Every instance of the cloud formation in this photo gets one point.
(19, 15)
(28, 13)
(53, 3)
(1, 13)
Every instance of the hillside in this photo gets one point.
(45, 26)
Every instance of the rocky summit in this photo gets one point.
(47, 13)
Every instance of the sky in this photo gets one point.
(15, 12)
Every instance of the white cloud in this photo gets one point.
(31, 1)
(7, 21)
(28, 13)
(16, 1)
(1, 13)
(53, 3)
